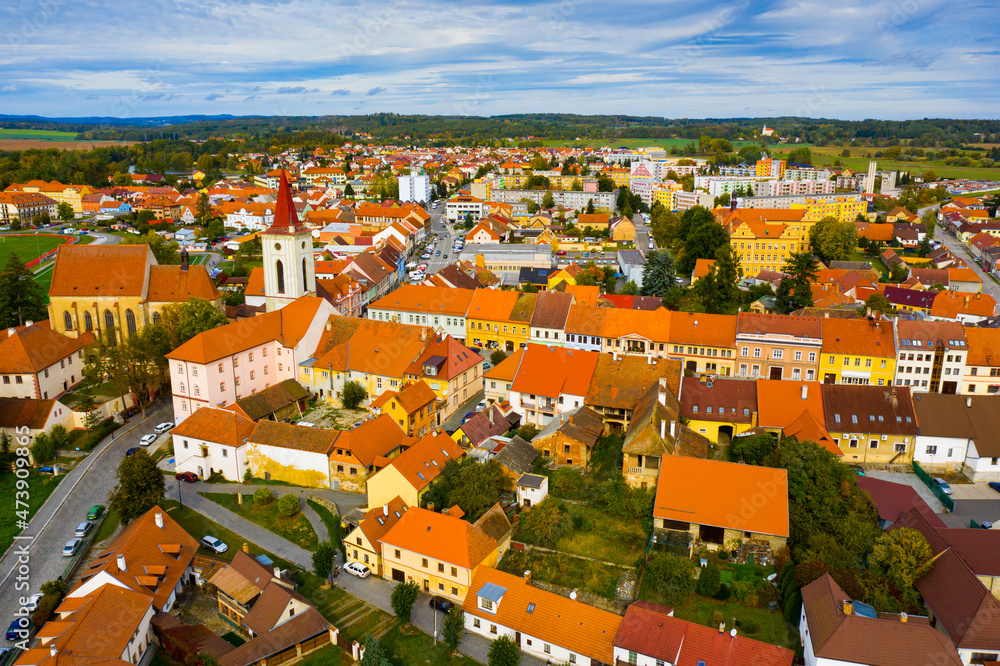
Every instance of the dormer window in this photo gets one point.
(486, 604)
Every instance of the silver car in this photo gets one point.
(71, 547)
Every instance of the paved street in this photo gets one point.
(52, 526)
(960, 250)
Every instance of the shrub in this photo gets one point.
(497, 357)
(672, 576)
(288, 505)
(453, 627)
(404, 595)
(793, 608)
(43, 449)
(46, 605)
(217, 477)
(580, 522)
(247, 476)
(504, 652)
(353, 394)
(749, 626)
(724, 593)
(710, 580)
(262, 496)
(323, 558)
(716, 618)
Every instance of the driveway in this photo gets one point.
(973, 491)
(911, 480)
(89, 483)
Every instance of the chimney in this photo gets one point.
(722, 628)
(903, 617)
(329, 325)
(430, 506)
(805, 391)
(614, 355)
(848, 607)
(52, 650)
(28, 323)
(11, 331)
(121, 563)
(158, 518)
(246, 549)
(649, 360)
(968, 401)
(184, 260)
(673, 428)
(527, 575)
(385, 509)
(663, 429)
(277, 573)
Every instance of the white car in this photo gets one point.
(357, 569)
(148, 439)
(163, 427)
(213, 544)
(306, 424)
(71, 547)
(32, 604)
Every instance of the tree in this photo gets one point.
(710, 580)
(545, 522)
(453, 627)
(796, 292)
(353, 394)
(203, 210)
(924, 248)
(833, 240)
(548, 201)
(503, 652)
(21, 298)
(349, 191)
(183, 321)
(753, 450)
(903, 554)
(527, 432)
(477, 487)
(404, 595)
(140, 486)
(658, 276)
(374, 654)
(136, 364)
(630, 289)
(43, 449)
(878, 302)
(166, 252)
(930, 176)
(673, 577)
(288, 505)
(497, 357)
(65, 211)
(323, 558)
(929, 218)
(702, 240)
(721, 201)
(4, 443)
(590, 207)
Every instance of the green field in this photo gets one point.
(858, 161)
(27, 247)
(633, 143)
(36, 134)
(40, 486)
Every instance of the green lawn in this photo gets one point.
(773, 628)
(331, 655)
(296, 529)
(27, 247)
(40, 486)
(107, 528)
(198, 526)
(565, 570)
(596, 534)
(334, 526)
(634, 143)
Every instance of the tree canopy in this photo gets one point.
(833, 240)
(21, 298)
(140, 486)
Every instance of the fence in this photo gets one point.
(946, 499)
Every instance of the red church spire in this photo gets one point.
(286, 220)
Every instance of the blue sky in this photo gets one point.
(849, 59)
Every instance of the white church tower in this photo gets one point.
(289, 267)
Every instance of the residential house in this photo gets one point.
(872, 424)
(910, 300)
(965, 308)
(982, 362)
(531, 490)
(360, 452)
(498, 380)
(639, 332)
(37, 362)
(570, 437)
(410, 473)
(931, 355)
(650, 635)
(453, 371)
(548, 319)
(491, 422)
(549, 381)
(705, 343)
(620, 382)
(945, 432)
(543, 624)
(212, 441)
(492, 310)
(442, 308)
(26, 207)
(363, 542)
(30, 416)
(623, 230)
(778, 346)
(585, 327)
(702, 499)
(858, 351)
(282, 402)
(516, 457)
(297, 455)
(439, 552)
(413, 407)
(895, 500)
(217, 367)
(838, 631)
(794, 409)
(719, 409)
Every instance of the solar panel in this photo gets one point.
(864, 610)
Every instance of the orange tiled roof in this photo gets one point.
(440, 537)
(703, 329)
(712, 492)
(224, 426)
(949, 304)
(429, 300)
(858, 336)
(984, 346)
(552, 371)
(169, 284)
(124, 270)
(492, 304)
(33, 348)
(425, 460)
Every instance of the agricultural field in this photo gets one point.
(858, 161)
(43, 135)
(26, 139)
(666, 144)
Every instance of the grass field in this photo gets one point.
(40, 486)
(563, 569)
(773, 628)
(597, 535)
(296, 529)
(36, 134)
(27, 247)
(633, 143)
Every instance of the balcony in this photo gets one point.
(644, 471)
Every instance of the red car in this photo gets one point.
(190, 477)
(561, 253)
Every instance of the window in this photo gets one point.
(454, 591)
(109, 326)
(546, 648)
(899, 448)
(777, 353)
(130, 322)
(812, 357)
(397, 553)
(441, 567)
(931, 450)
(88, 321)
(493, 628)
(475, 622)
(225, 453)
(67, 321)
(873, 444)
(632, 657)
(756, 352)
(454, 571)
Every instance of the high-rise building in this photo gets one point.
(415, 188)
(870, 182)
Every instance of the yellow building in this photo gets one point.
(765, 238)
(857, 351)
(71, 194)
(567, 275)
(705, 343)
(874, 424)
(362, 543)
(771, 168)
(621, 177)
(441, 552)
(499, 319)
(412, 408)
(623, 230)
(719, 408)
(842, 208)
(118, 289)
(409, 474)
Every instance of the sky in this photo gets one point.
(850, 59)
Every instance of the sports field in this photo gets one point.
(27, 247)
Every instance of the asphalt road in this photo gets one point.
(961, 250)
(53, 525)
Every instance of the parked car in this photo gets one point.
(986, 525)
(163, 427)
(467, 417)
(95, 512)
(481, 406)
(32, 604)
(943, 485)
(441, 604)
(83, 529)
(148, 439)
(995, 485)
(189, 477)
(306, 424)
(131, 452)
(561, 253)
(215, 545)
(19, 628)
(357, 569)
(487, 365)
(71, 547)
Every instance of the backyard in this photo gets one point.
(296, 529)
(598, 535)
(562, 569)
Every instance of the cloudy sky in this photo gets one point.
(847, 59)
